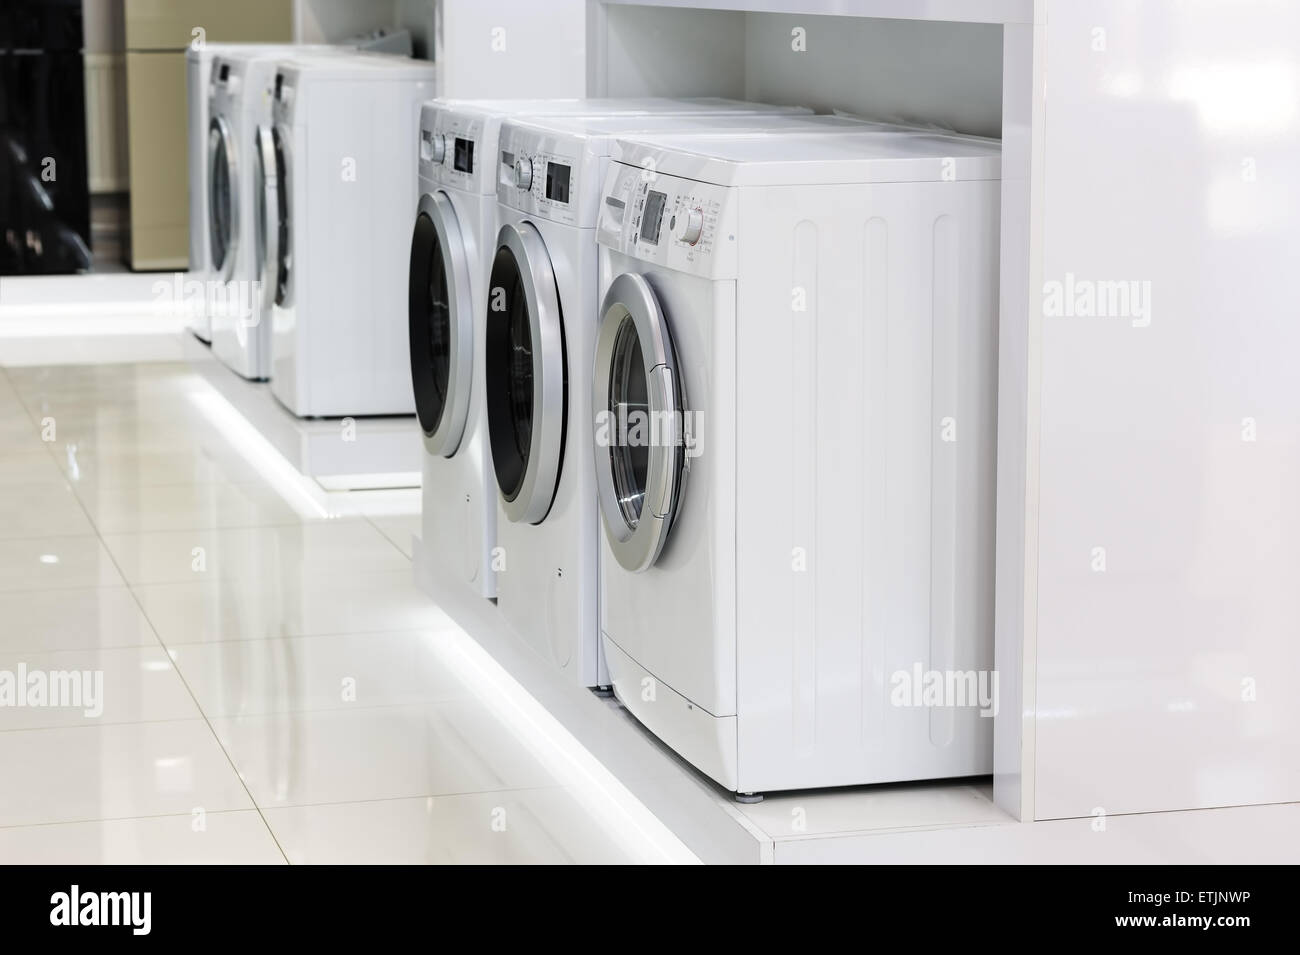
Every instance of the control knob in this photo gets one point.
(687, 225)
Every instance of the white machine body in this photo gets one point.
(789, 568)
(339, 189)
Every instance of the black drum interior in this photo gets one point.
(430, 318)
(509, 376)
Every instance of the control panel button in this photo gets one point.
(687, 225)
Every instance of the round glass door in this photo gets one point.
(440, 325)
(223, 183)
(640, 422)
(525, 374)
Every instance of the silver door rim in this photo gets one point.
(271, 210)
(222, 128)
(533, 501)
(445, 440)
(637, 548)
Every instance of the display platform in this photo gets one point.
(339, 453)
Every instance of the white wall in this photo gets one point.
(1166, 680)
(327, 21)
(512, 48)
(666, 52)
(948, 74)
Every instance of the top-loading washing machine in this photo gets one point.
(452, 246)
(338, 185)
(804, 549)
(538, 348)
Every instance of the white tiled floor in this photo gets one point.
(274, 686)
(276, 689)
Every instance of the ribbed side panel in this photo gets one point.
(803, 461)
(946, 434)
(106, 153)
(876, 619)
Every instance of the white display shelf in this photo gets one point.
(339, 453)
(953, 11)
(944, 821)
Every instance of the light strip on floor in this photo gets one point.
(63, 321)
(298, 492)
(627, 821)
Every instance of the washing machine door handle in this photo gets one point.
(282, 154)
(637, 513)
(665, 428)
(268, 231)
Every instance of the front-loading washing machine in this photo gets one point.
(198, 85)
(237, 301)
(198, 80)
(539, 341)
(339, 183)
(452, 247)
(798, 544)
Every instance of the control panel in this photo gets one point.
(451, 149)
(539, 182)
(678, 223)
(549, 175)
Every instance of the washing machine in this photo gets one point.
(451, 255)
(198, 81)
(798, 542)
(198, 75)
(338, 186)
(539, 340)
(237, 296)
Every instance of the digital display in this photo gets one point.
(279, 85)
(225, 71)
(557, 182)
(463, 157)
(652, 215)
